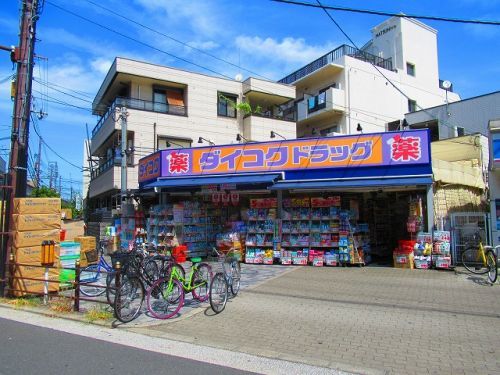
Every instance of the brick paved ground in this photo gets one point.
(367, 320)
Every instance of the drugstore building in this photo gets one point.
(292, 201)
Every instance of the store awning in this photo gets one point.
(249, 179)
(353, 183)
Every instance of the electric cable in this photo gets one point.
(390, 14)
(176, 40)
(138, 41)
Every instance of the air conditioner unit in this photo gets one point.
(333, 134)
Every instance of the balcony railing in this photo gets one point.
(288, 114)
(343, 50)
(316, 103)
(139, 104)
(108, 164)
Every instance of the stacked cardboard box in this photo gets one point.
(87, 246)
(34, 220)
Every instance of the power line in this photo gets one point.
(50, 148)
(137, 40)
(400, 15)
(61, 91)
(176, 40)
(51, 99)
(375, 66)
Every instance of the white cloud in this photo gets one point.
(101, 65)
(205, 46)
(198, 15)
(289, 50)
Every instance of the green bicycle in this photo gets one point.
(166, 296)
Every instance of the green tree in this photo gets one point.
(44, 192)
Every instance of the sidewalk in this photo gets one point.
(369, 320)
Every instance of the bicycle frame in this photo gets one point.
(186, 282)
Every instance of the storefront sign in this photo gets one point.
(149, 167)
(383, 149)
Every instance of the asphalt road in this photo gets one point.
(27, 349)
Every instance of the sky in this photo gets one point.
(254, 38)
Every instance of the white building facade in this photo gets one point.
(350, 90)
(172, 108)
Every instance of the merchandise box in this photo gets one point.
(442, 262)
(267, 260)
(26, 287)
(37, 206)
(34, 222)
(286, 260)
(35, 238)
(32, 255)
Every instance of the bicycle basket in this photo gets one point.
(91, 256)
(123, 258)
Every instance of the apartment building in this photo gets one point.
(172, 108)
(351, 90)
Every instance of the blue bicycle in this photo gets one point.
(95, 279)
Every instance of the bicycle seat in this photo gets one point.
(196, 260)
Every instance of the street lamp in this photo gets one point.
(274, 134)
(201, 139)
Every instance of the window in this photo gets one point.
(410, 69)
(394, 126)
(412, 105)
(225, 104)
(169, 100)
(460, 131)
(172, 142)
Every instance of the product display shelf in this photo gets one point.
(160, 223)
(259, 240)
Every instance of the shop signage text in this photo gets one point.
(382, 149)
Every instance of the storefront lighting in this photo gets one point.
(274, 134)
(201, 140)
(240, 138)
(359, 128)
(170, 143)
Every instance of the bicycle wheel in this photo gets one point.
(168, 270)
(92, 275)
(165, 299)
(129, 299)
(218, 293)
(472, 259)
(201, 279)
(491, 261)
(236, 275)
(151, 271)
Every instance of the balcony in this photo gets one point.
(317, 107)
(107, 177)
(108, 164)
(332, 56)
(142, 105)
(257, 127)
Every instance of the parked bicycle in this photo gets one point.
(166, 296)
(95, 278)
(222, 282)
(481, 259)
(138, 274)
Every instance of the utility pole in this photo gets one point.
(22, 103)
(123, 116)
(23, 56)
(39, 163)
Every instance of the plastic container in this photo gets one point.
(62, 234)
(69, 248)
(406, 246)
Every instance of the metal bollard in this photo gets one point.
(118, 268)
(76, 307)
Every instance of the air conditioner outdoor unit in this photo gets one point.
(333, 134)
